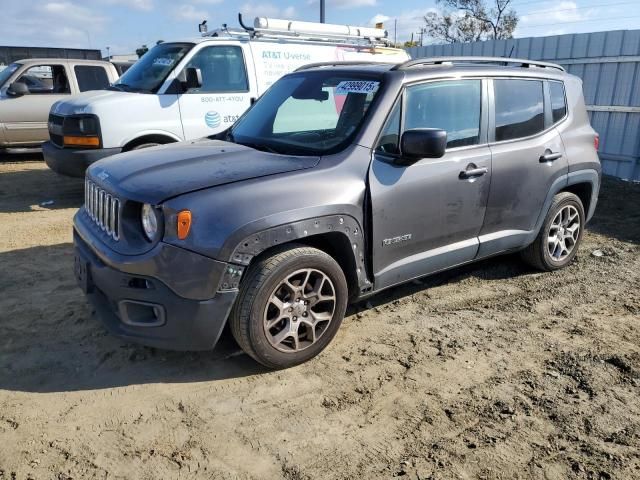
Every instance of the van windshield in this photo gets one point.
(309, 113)
(149, 73)
(7, 72)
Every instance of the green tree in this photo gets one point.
(471, 20)
(142, 50)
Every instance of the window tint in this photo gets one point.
(222, 70)
(46, 79)
(519, 108)
(390, 136)
(558, 102)
(453, 106)
(91, 77)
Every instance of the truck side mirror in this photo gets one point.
(190, 77)
(419, 143)
(17, 89)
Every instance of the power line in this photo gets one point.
(579, 21)
(579, 8)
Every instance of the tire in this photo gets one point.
(539, 254)
(145, 145)
(254, 319)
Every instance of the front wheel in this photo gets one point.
(557, 243)
(290, 306)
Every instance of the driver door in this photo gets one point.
(426, 216)
(223, 96)
(25, 117)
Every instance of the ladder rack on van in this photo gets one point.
(273, 28)
(505, 61)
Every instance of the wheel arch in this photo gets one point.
(340, 236)
(160, 138)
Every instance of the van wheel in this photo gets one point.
(291, 304)
(557, 243)
(145, 145)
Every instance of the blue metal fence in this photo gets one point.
(609, 65)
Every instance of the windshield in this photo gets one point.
(7, 72)
(149, 73)
(312, 113)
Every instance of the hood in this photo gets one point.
(155, 174)
(86, 101)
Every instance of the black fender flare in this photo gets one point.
(257, 242)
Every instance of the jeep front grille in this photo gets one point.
(103, 208)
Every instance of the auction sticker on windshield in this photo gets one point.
(356, 86)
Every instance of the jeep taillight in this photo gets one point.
(596, 142)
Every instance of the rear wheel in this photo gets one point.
(290, 306)
(559, 238)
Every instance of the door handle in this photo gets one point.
(473, 172)
(550, 157)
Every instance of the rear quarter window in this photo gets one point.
(91, 77)
(519, 107)
(558, 101)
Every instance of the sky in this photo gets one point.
(124, 25)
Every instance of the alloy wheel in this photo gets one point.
(564, 233)
(299, 310)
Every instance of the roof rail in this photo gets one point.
(521, 62)
(336, 64)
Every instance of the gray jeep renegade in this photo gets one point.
(342, 180)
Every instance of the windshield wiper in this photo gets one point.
(259, 146)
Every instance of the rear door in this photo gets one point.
(528, 157)
(224, 95)
(25, 117)
(427, 216)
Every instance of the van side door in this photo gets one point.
(25, 117)
(426, 216)
(225, 92)
(528, 156)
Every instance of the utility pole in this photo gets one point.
(322, 11)
(109, 54)
(395, 32)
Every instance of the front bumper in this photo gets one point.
(144, 309)
(73, 162)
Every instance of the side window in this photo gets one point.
(91, 77)
(519, 108)
(558, 101)
(46, 79)
(453, 106)
(390, 137)
(222, 69)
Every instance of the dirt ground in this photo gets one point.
(489, 371)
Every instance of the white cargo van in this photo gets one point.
(193, 89)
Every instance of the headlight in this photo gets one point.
(149, 217)
(81, 131)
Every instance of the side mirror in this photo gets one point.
(17, 89)
(190, 77)
(420, 143)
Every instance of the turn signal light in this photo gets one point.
(184, 224)
(596, 141)
(81, 141)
